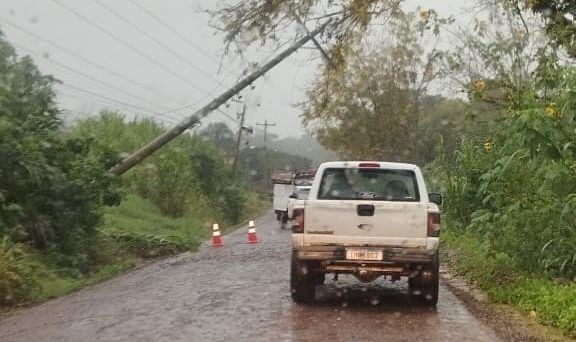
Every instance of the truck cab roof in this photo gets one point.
(368, 164)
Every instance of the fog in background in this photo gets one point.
(187, 68)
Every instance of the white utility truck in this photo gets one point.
(285, 185)
(368, 219)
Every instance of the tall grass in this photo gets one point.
(16, 280)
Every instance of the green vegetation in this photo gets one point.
(65, 222)
(551, 302)
(51, 188)
(510, 188)
(255, 162)
(509, 205)
(141, 226)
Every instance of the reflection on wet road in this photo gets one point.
(240, 293)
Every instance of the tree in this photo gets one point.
(371, 110)
(560, 17)
(51, 189)
(443, 123)
(256, 161)
(221, 135)
(247, 22)
(281, 21)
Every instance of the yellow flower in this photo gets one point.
(488, 146)
(549, 111)
(424, 15)
(476, 23)
(519, 33)
(479, 85)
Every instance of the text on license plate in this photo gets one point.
(363, 254)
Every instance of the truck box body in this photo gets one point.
(281, 194)
(285, 183)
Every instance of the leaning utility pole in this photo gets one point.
(239, 140)
(194, 119)
(266, 124)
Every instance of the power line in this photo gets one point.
(86, 60)
(99, 96)
(168, 119)
(167, 136)
(265, 60)
(192, 106)
(123, 103)
(127, 45)
(228, 116)
(173, 30)
(104, 97)
(185, 39)
(109, 99)
(219, 83)
(154, 39)
(126, 104)
(93, 79)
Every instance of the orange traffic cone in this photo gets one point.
(252, 238)
(216, 237)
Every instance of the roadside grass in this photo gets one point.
(53, 282)
(256, 206)
(140, 226)
(132, 232)
(550, 302)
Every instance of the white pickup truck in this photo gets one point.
(297, 199)
(369, 219)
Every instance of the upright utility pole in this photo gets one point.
(193, 120)
(239, 140)
(266, 124)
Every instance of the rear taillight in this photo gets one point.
(298, 221)
(434, 224)
(369, 165)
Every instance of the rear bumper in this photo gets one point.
(391, 255)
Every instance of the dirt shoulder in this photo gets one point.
(510, 324)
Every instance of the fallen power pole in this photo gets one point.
(194, 119)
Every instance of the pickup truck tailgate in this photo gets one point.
(365, 223)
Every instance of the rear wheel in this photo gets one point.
(302, 281)
(426, 282)
(283, 220)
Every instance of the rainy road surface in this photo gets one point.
(239, 293)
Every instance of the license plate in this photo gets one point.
(363, 254)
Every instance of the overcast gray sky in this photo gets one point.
(184, 71)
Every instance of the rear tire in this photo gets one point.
(427, 289)
(302, 281)
(283, 221)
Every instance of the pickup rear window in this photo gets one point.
(369, 184)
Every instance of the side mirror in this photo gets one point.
(435, 198)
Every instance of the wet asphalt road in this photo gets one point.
(239, 293)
